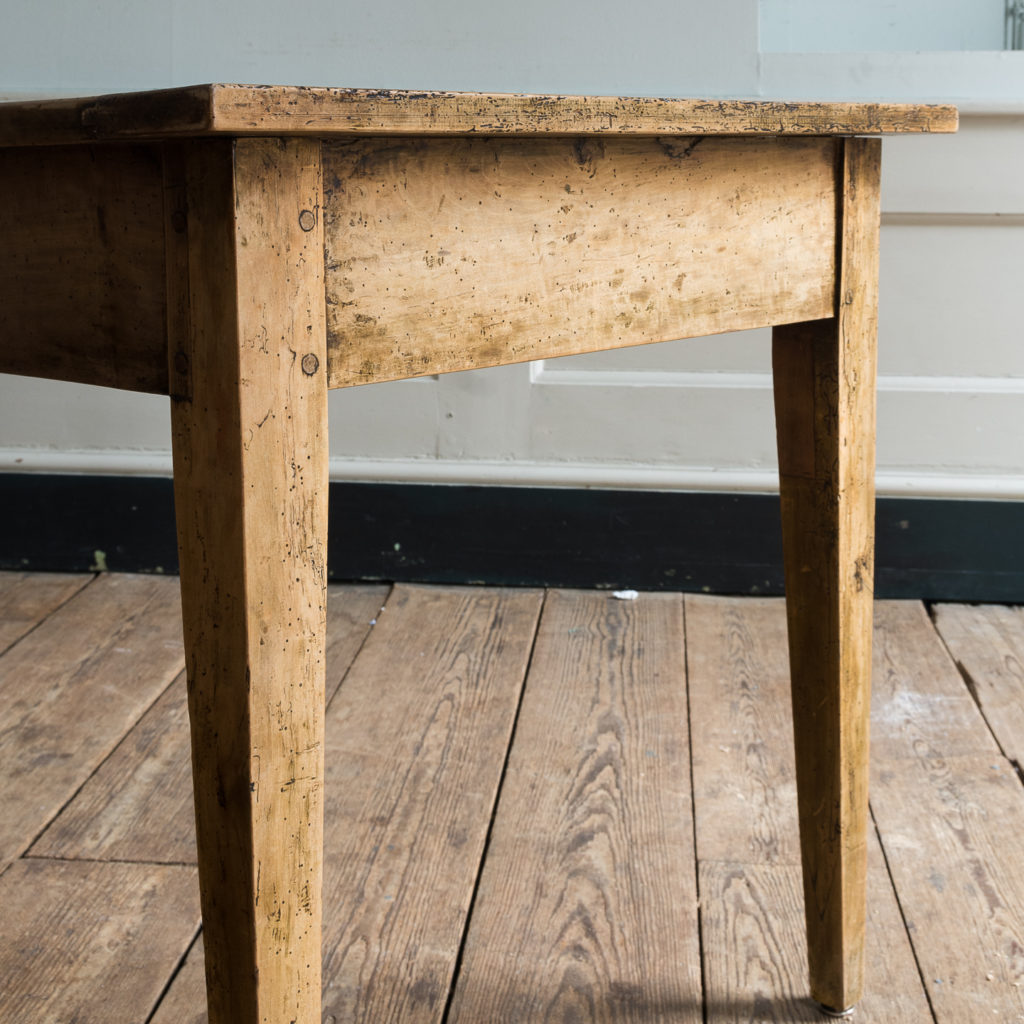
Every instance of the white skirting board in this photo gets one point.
(526, 474)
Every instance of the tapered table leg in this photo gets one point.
(825, 417)
(248, 370)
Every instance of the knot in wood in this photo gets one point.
(310, 364)
(307, 220)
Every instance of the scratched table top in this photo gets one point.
(293, 110)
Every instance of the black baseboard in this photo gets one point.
(932, 549)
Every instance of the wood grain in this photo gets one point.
(951, 828)
(987, 642)
(416, 740)
(416, 746)
(825, 420)
(82, 266)
(744, 781)
(586, 906)
(918, 699)
(950, 813)
(447, 254)
(26, 599)
(138, 805)
(755, 949)
(277, 110)
(91, 943)
(73, 687)
(752, 918)
(250, 467)
(948, 807)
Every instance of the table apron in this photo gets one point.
(441, 253)
(82, 278)
(453, 253)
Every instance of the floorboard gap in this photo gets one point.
(972, 689)
(174, 974)
(457, 969)
(26, 851)
(362, 644)
(112, 860)
(903, 916)
(693, 815)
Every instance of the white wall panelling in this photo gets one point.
(693, 414)
(977, 80)
(977, 170)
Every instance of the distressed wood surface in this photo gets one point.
(411, 793)
(91, 943)
(249, 433)
(82, 266)
(950, 811)
(138, 805)
(744, 782)
(947, 805)
(447, 254)
(249, 109)
(987, 642)
(754, 947)
(586, 906)
(951, 828)
(824, 375)
(184, 1002)
(26, 599)
(918, 699)
(409, 797)
(71, 689)
(754, 914)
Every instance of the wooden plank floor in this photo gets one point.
(541, 807)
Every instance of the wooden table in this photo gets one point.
(243, 249)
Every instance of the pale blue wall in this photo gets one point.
(652, 47)
(810, 26)
(751, 48)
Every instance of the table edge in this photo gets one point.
(226, 109)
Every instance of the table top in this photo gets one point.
(295, 110)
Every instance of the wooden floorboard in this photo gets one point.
(184, 1002)
(72, 688)
(755, 953)
(747, 832)
(138, 804)
(410, 794)
(89, 942)
(586, 908)
(587, 902)
(952, 831)
(26, 599)
(918, 699)
(743, 769)
(987, 643)
(950, 811)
